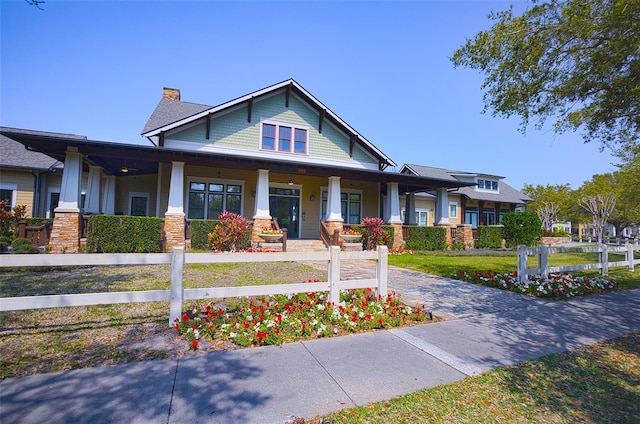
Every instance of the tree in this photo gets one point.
(575, 61)
(601, 207)
(552, 203)
(521, 228)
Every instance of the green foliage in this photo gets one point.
(200, 230)
(124, 234)
(5, 242)
(489, 236)
(574, 61)
(522, 228)
(427, 238)
(23, 245)
(231, 234)
(9, 219)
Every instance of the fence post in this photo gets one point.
(522, 263)
(543, 260)
(382, 270)
(334, 275)
(630, 256)
(604, 259)
(177, 291)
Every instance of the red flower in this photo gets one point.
(194, 344)
(185, 318)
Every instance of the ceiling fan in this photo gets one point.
(125, 169)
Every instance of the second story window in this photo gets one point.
(284, 138)
(487, 185)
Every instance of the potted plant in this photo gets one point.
(270, 234)
(351, 235)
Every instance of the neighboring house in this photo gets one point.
(274, 153)
(28, 178)
(483, 203)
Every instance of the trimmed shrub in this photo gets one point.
(124, 234)
(522, 228)
(200, 230)
(427, 238)
(489, 236)
(231, 233)
(5, 242)
(22, 245)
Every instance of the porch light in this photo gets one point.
(290, 182)
(124, 169)
(312, 197)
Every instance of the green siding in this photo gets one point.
(233, 130)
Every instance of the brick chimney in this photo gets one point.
(171, 93)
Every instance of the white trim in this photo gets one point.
(270, 155)
(325, 189)
(133, 194)
(50, 191)
(276, 139)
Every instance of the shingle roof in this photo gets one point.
(15, 155)
(507, 194)
(170, 111)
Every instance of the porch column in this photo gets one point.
(261, 217)
(174, 217)
(393, 210)
(442, 207)
(109, 195)
(92, 201)
(65, 230)
(410, 209)
(334, 206)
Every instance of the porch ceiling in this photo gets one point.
(143, 160)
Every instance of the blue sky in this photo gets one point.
(97, 68)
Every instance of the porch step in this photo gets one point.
(297, 245)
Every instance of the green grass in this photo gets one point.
(446, 263)
(594, 384)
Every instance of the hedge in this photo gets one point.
(124, 234)
(489, 236)
(427, 238)
(200, 229)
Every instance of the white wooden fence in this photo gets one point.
(177, 293)
(542, 252)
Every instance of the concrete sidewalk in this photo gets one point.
(276, 384)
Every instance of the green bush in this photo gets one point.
(124, 234)
(427, 238)
(231, 233)
(200, 230)
(522, 228)
(22, 245)
(5, 242)
(374, 233)
(489, 236)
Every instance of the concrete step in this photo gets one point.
(298, 245)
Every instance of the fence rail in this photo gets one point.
(603, 250)
(177, 293)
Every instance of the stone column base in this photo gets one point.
(173, 231)
(398, 241)
(447, 234)
(464, 234)
(335, 225)
(65, 233)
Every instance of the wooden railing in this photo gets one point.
(38, 235)
(327, 237)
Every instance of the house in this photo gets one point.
(483, 202)
(28, 178)
(277, 153)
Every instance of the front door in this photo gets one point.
(284, 205)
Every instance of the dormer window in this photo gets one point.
(284, 138)
(487, 185)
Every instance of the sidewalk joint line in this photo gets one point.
(329, 374)
(449, 359)
(173, 390)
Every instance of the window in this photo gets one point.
(489, 217)
(350, 206)
(471, 217)
(138, 204)
(453, 209)
(207, 200)
(487, 185)
(6, 194)
(422, 217)
(290, 139)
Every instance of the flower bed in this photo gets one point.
(561, 286)
(278, 319)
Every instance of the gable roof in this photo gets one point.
(170, 114)
(16, 156)
(507, 194)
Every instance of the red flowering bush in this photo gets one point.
(373, 234)
(562, 286)
(278, 319)
(231, 234)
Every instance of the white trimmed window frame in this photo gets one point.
(14, 192)
(453, 209)
(348, 191)
(483, 182)
(208, 181)
(292, 140)
(133, 194)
